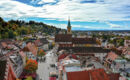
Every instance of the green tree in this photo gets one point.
(11, 34)
(31, 66)
(23, 31)
(5, 35)
(120, 42)
(22, 28)
(0, 36)
(29, 78)
(127, 37)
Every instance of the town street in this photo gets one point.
(44, 67)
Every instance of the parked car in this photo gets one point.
(53, 75)
(52, 65)
(52, 78)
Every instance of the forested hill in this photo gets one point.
(14, 28)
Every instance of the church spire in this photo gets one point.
(69, 26)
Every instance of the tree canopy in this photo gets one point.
(31, 66)
(13, 28)
(41, 52)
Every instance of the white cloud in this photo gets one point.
(109, 10)
(113, 25)
(16, 9)
(64, 26)
(117, 26)
(86, 12)
(46, 1)
(75, 27)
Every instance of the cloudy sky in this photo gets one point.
(84, 14)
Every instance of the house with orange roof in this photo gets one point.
(30, 50)
(68, 63)
(111, 56)
(96, 74)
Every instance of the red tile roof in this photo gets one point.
(79, 75)
(84, 41)
(37, 42)
(97, 74)
(128, 53)
(62, 56)
(112, 56)
(68, 38)
(74, 56)
(85, 49)
(114, 76)
(22, 54)
(31, 47)
(119, 52)
(52, 78)
(4, 44)
(11, 74)
(25, 49)
(63, 38)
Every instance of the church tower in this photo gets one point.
(69, 27)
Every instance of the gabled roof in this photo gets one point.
(112, 56)
(63, 38)
(74, 56)
(84, 40)
(3, 69)
(97, 74)
(114, 76)
(25, 49)
(4, 44)
(22, 54)
(68, 38)
(85, 49)
(30, 47)
(62, 56)
(11, 73)
(78, 75)
(119, 52)
(37, 42)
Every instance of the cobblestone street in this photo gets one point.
(44, 67)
